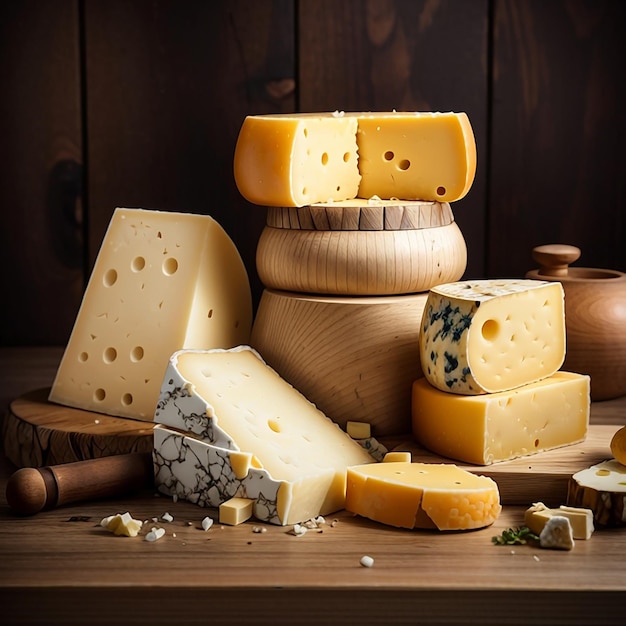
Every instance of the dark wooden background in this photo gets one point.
(139, 102)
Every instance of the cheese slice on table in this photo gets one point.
(162, 281)
(296, 160)
(485, 336)
(481, 430)
(416, 156)
(301, 159)
(251, 435)
(422, 495)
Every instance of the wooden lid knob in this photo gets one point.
(555, 258)
(26, 491)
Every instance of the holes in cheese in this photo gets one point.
(231, 403)
(422, 495)
(162, 281)
(487, 336)
(302, 159)
(484, 429)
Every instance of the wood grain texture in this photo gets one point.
(36, 432)
(557, 163)
(169, 86)
(405, 55)
(41, 174)
(360, 262)
(58, 572)
(355, 358)
(358, 214)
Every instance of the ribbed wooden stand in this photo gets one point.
(354, 357)
(36, 432)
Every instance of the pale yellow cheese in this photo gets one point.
(359, 430)
(162, 281)
(581, 520)
(483, 429)
(301, 159)
(235, 511)
(295, 160)
(255, 434)
(422, 495)
(485, 336)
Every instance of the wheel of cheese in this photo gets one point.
(360, 262)
(354, 357)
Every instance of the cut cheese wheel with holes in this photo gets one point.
(422, 495)
(486, 336)
(162, 281)
(302, 159)
(487, 428)
(250, 432)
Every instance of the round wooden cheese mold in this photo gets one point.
(360, 262)
(37, 433)
(354, 357)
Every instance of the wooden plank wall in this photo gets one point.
(138, 103)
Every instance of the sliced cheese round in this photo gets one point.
(485, 336)
(422, 495)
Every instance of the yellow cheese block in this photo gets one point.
(485, 336)
(295, 160)
(484, 429)
(236, 511)
(422, 495)
(581, 520)
(302, 159)
(416, 156)
(162, 282)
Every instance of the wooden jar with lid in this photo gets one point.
(346, 285)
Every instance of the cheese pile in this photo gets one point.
(492, 389)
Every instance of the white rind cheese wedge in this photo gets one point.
(601, 488)
(422, 495)
(301, 159)
(162, 281)
(485, 429)
(486, 336)
(251, 435)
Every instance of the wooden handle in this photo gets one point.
(30, 490)
(555, 258)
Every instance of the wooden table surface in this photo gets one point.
(57, 571)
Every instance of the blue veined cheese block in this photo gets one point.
(487, 336)
(230, 426)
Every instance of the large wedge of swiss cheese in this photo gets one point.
(161, 282)
(486, 336)
(484, 429)
(231, 426)
(422, 495)
(302, 159)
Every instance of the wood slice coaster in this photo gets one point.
(37, 432)
(540, 477)
(360, 214)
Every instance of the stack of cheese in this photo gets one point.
(492, 389)
(359, 228)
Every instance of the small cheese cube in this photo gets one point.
(487, 336)
(250, 432)
(581, 520)
(162, 281)
(484, 429)
(397, 456)
(359, 430)
(235, 511)
(422, 495)
(557, 534)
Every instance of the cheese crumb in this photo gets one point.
(122, 524)
(155, 534)
(166, 517)
(367, 561)
(207, 522)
